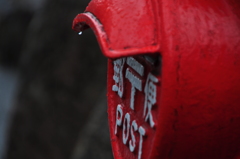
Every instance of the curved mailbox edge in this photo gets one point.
(85, 20)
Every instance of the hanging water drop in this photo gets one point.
(80, 33)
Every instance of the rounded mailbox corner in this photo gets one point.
(110, 48)
(87, 20)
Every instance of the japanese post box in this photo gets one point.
(173, 76)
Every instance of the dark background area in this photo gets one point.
(52, 84)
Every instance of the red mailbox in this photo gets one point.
(173, 76)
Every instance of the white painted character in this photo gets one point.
(150, 98)
(134, 80)
(118, 76)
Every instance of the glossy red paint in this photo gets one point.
(197, 112)
(122, 28)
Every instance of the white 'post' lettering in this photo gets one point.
(119, 115)
(134, 73)
(126, 127)
(142, 133)
(132, 143)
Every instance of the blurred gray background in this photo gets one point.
(52, 84)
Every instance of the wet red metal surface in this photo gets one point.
(197, 108)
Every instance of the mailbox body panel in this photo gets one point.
(199, 112)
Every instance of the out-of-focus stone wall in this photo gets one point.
(60, 111)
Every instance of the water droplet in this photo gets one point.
(80, 33)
